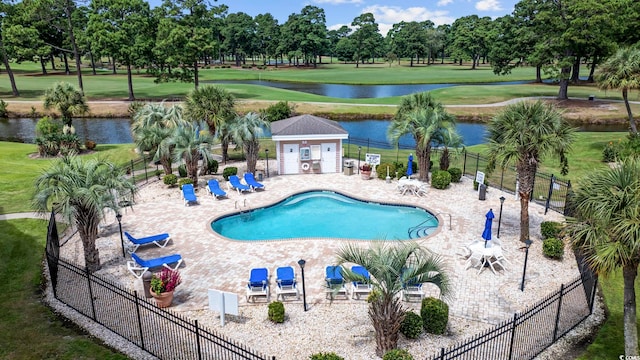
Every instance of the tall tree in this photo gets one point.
(267, 34)
(622, 72)
(67, 99)
(470, 35)
(245, 132)
(522, 135)
(82, 190)
(239, 34)
(391, 267)
(366, 37)
(5, 8)
(190, 145)
(122, 29)
(424, 118)
(606, 228)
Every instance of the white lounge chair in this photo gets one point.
(258, 284)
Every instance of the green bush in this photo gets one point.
(373, 296)
(550, 229)
(326, 356)
(278, 111)
(411, 326)
(381, 170)
(397, 354)
(170, 179)
(553, 248)
(182, 170)
(475, 184)
(435, 315)
(456, 174)
(69, 144)
(276, 312)
(211, 168)
(47, 126)
(183, 181)
(611, 152)
(3, 109)
(48, 145)
(229, 171)
(440, 179)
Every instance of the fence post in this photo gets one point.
(137, 301)
(198, 340)
(513, 335)
(501, 178)
(93, 307)
(144, 162)
(477, 165)
(546, 205)
(133, 174)
(594, 288)
(555, 329)
(464, 163)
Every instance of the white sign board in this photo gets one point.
(223, 302)
(479, 177)
(373, 159)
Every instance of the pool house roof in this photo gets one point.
(306, 127)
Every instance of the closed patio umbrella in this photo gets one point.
(410, 166)
(486, 234)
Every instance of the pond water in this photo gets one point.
(345, 91)
(362, 132)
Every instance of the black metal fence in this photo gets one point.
(528, 333)
(160, 332)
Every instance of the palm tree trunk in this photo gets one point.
(166, 165)
(424, 157)
(386, 316)
(632, 122)
(88, 228)
(526, 175)
(192, 168)
(629, 274)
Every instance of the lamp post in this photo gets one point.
(304, 294)
(527, 242)
(502, 199)
(119, 217)
(266, 155)
(359, 149)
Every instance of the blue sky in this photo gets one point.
(386, 12)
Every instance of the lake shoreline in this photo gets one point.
(577, 112)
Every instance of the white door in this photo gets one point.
(290, 155)
(329, 158)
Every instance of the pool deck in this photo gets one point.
(214, 262)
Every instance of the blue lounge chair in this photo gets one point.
(363, 285)
(335, 282)
(286, 280)
(251, 181)
(160, 240)
(258, 284)
(213, 187)
(188, 194)
(138, 266)
(234, 182)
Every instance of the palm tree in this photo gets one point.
(245, 131)
(82, 190)
(152, 128)
(213, 105)
(67, 99)
(607, 230)
(448, 138)
(523, 134)
(391, 265)
(622, 72)
(190, 144)
(424, 118)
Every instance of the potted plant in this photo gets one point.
(163, 284)
(365, 171)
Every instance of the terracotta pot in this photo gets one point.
(366, 175)
(164, 299)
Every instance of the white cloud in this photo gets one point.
(488, 5)
(395, 14)
(337, 2)
(337, 26)
(444, 2)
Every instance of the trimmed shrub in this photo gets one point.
(183, 181)
(411, 326)
(182, 170)
(276, 312)
(440, 179)
(90, 145)
(278, 111)
(397, 354)
(550, 229)
(381, 170)
(456, 174)
(170, 179)
(435, 315)
(229, 171)
(326, 356)
(47, 126)
(553, 248)
(211, 168)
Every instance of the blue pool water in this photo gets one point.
(327, 214)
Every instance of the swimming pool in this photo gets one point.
(327, 214)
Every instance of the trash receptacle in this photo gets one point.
(482, 192)
(348, 169)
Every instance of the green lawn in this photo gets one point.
(29, 329)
